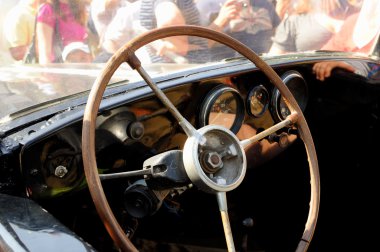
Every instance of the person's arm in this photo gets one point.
(168, 14)
(275, 50)
(322, 70)
(17, 32)
(101, 14)
(111, 4)
(119, 30)
(18, 52)
(283, 7)
(44, 34)
(229, 10)
(110, 46)
(101, 7)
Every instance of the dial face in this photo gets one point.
(258, 100)
(223, 111)
(283, 109)
(297, 85)
(223, 106)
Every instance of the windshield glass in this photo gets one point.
(54, 48)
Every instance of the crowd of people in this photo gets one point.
(92, 30)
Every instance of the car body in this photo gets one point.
(46, 204)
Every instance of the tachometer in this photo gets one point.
(297, 85)
(222, 106)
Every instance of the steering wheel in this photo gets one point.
(202, 153)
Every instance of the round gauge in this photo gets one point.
(222, 106)
(298, 87)
(258, 100)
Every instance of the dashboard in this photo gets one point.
(126, 135)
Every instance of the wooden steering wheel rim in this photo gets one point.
(127, 54)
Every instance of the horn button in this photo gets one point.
(219, 165)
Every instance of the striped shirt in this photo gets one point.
(191, 16)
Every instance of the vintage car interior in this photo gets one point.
(294, 177)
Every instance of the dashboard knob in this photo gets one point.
(135, 130)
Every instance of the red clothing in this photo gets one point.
(342, 41)
(69, 29)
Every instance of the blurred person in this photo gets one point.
(285, 8)
(76, 52)
(123, 27)
(162, 13)
(253, 24)
(19, 27)
(59, 22)
(101, 15)
(208, 10)
(126, 25)
(312, 26)
(324, 70)
(359, 33)
(5, 56)
(219, 13)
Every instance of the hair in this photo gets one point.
(77, 7)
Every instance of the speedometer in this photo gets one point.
(298, 87)
(222, 106)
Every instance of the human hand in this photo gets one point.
(322, 70)
(229, 10)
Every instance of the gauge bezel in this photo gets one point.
(210, 99)
(287, 77)
(249, 97)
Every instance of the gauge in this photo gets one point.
(222, 106)
(258, 100)
(298, 87)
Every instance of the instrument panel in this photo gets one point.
(145, 127)
(229, 105)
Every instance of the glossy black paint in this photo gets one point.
(25, 226)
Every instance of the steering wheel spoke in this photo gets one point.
(222, 203)
(126, 174)
(187, 127)
(291, 119)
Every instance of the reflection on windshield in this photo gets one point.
(41, 37)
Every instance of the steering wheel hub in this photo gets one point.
(211, 161)
(219, 165)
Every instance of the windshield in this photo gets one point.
(51, 49)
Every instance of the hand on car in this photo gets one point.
(322, 70)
